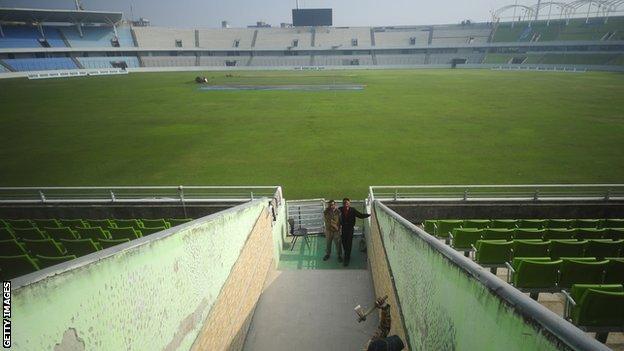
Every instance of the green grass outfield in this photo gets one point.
(406, 127)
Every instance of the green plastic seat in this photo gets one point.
(536, 273)
(614, 233)
(428, 225)
(46, 247)
(79, 247)
(604, 248)
(590, 233)
(102, 223)
(46, 223)
(587, 223)
(560, 223)
(504, 223)
(598, 305)
(615, 271)
(73, 223)
(529, 234)
(16, 266)
(533, 223)
(29, 233)
(559, 234)
(530, 248)
(178, 221)
(567, 248)
(125, 223)
(497, 234)
(12, 248)
(581, 272)
(106, 243)
(493, 252)
(150, 231)
(46, 261)
(476, 223)
(61, 233)
(443, 227)
(613, 223)
(92, 233)
(6, 234)
(154, 223)
(19, 223)
(464, 238)
(124, 233)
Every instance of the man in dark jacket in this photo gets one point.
(347, 221)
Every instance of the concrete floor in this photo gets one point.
(312, 310)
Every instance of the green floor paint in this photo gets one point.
(302, 257)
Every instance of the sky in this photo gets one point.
(240, 13)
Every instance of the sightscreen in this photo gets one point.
(312, 17)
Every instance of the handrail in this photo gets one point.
(570, 335)
(137, 194)
(517, 192)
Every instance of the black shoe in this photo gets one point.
(326, 258)
(339, 259)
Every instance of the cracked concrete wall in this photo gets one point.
(444, 307)
(154, 296)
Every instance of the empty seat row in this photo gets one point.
(542, 274)
(596, 306)
(85, 223)
(94, 233)
(463, 238)
(442, 228)
(495, 253)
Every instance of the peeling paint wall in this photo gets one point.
(150, 297)
(444, 308)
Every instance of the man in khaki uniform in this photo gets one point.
(332, 230)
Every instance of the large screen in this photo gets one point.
(312, 17)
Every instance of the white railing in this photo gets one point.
(547, 192)
(138, 194)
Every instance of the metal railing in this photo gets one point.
(137, 194)
(543, 192)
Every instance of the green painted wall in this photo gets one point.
(445, 308)
(151, 297)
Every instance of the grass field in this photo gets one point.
(406, 127)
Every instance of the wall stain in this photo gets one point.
(70, 342)
(186, 326)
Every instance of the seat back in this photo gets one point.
(560, 223)
(599, 308)
(29, 233)
(615, 271)
(79, 247)
(61, 233)
(47, 261)
(532, 223)
(497, 234)
(529, 234)
(429, 226)
(92, 233)
(6, 234)
(123, 233)
(614, 233)
(604, 248)
(46, 223)
(476, 223)
(528, 248)
(46, 247)
(102, 223)
(587, 223)
(504, 223)
(445, 227)
(493, 252)
(73, 223)
(154, 223)
(534, 274)
(11, 248)
(19, 223)
(567, 248)
(581, 272)
(106, 243)
(178, 221)
(559, 234)
(150, 231)
(464, 238)
(16, 266)
(590, 233)
(613, 223)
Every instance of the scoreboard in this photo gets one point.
(312, 17)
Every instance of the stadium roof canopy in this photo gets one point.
(58, 16)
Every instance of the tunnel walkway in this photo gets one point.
(307, 304)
